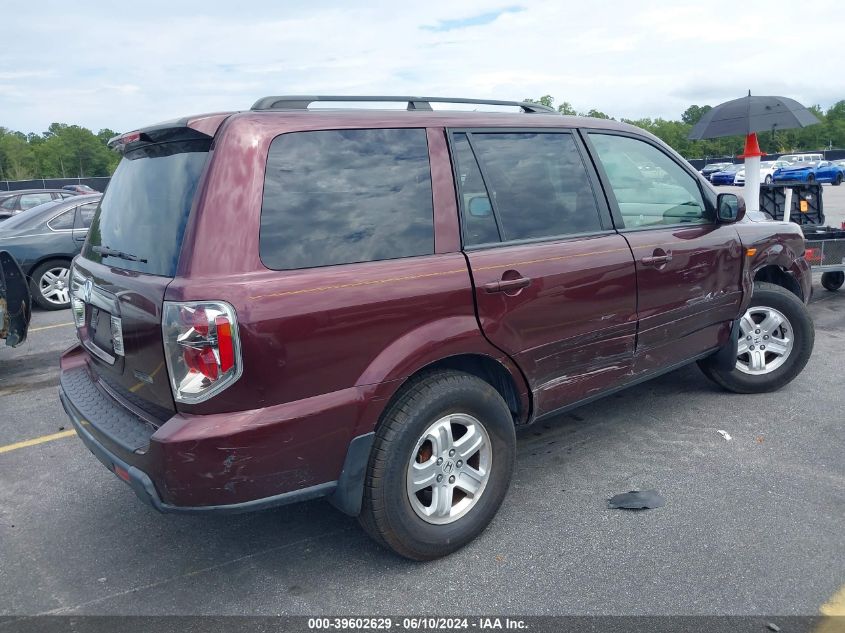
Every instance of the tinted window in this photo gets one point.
(672, 198)
(479, 223)
(63, 221)
(86, 215)
(538, 183)
(342, 196)
(146, 206)
(9, 203)
(29, 200)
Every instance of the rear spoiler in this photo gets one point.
(15, 301)
(201, 127)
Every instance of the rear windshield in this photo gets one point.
(145, 207)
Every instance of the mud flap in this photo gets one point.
(15, 301)
(725, 358)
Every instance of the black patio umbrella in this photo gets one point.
(752, 114)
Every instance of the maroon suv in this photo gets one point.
(290, 303)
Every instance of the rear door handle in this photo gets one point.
(508, 285)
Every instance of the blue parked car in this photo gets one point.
(814, 171)
(727, 176)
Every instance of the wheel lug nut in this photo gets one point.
(751, 347)
(748, 338)
(452, 479)
(762, 347)
(459, 464)
(765, 337)
(439, 478)
(452, 453)
(439, 461)
(757, 331)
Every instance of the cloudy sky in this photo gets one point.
(119, 65)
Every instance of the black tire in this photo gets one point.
(833, 281)
(802, 329)
(768, 180)
(386, 512)
(838, 180)
(35, 284)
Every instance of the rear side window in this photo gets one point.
(343, 196)
(86, 215)
(63, 221)
(537, 183)
(145, 208)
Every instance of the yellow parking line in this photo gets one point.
(37, 440)
(836, 605)
(49, 327)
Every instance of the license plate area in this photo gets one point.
(100, 330)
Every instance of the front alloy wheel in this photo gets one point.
(765, 341)
(776, 341)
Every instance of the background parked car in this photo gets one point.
(767, 170)
(13, 202)
(44, 240)
(712, 168)
(80, 189)
(727, 176)
(816, 171)
(801, 158)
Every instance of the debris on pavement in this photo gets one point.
(773, 627)
(637, 500)
(725, 434)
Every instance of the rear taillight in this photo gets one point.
(813, 255)
(201, 348)
(76, 303)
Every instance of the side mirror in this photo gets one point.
(730, 207)
(479, 207)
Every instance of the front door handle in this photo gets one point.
(508, 285)
(657, 258)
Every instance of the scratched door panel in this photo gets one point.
(572, 329)
(699, 288)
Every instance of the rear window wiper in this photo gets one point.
(105, 251)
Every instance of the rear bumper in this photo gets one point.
(224, 463)
(144, 488)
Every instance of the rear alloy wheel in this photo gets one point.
(50, 285)
(440, 465)
(776, 340)
(833, 281)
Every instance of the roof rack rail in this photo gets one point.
(301, 102)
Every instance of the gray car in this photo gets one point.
(14, 202)
(44, 240)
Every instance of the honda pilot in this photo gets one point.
(363, 304)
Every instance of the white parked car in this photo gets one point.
(767, 170)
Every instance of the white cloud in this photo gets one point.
(629, 59)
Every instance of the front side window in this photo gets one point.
(537, 182)
(672, 197)
(30, 200)
(343, 196)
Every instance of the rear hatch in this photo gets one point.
(130, 257)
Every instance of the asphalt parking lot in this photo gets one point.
(751, 526)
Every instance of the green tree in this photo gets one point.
(693, 114)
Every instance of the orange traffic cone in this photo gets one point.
(752, 147)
